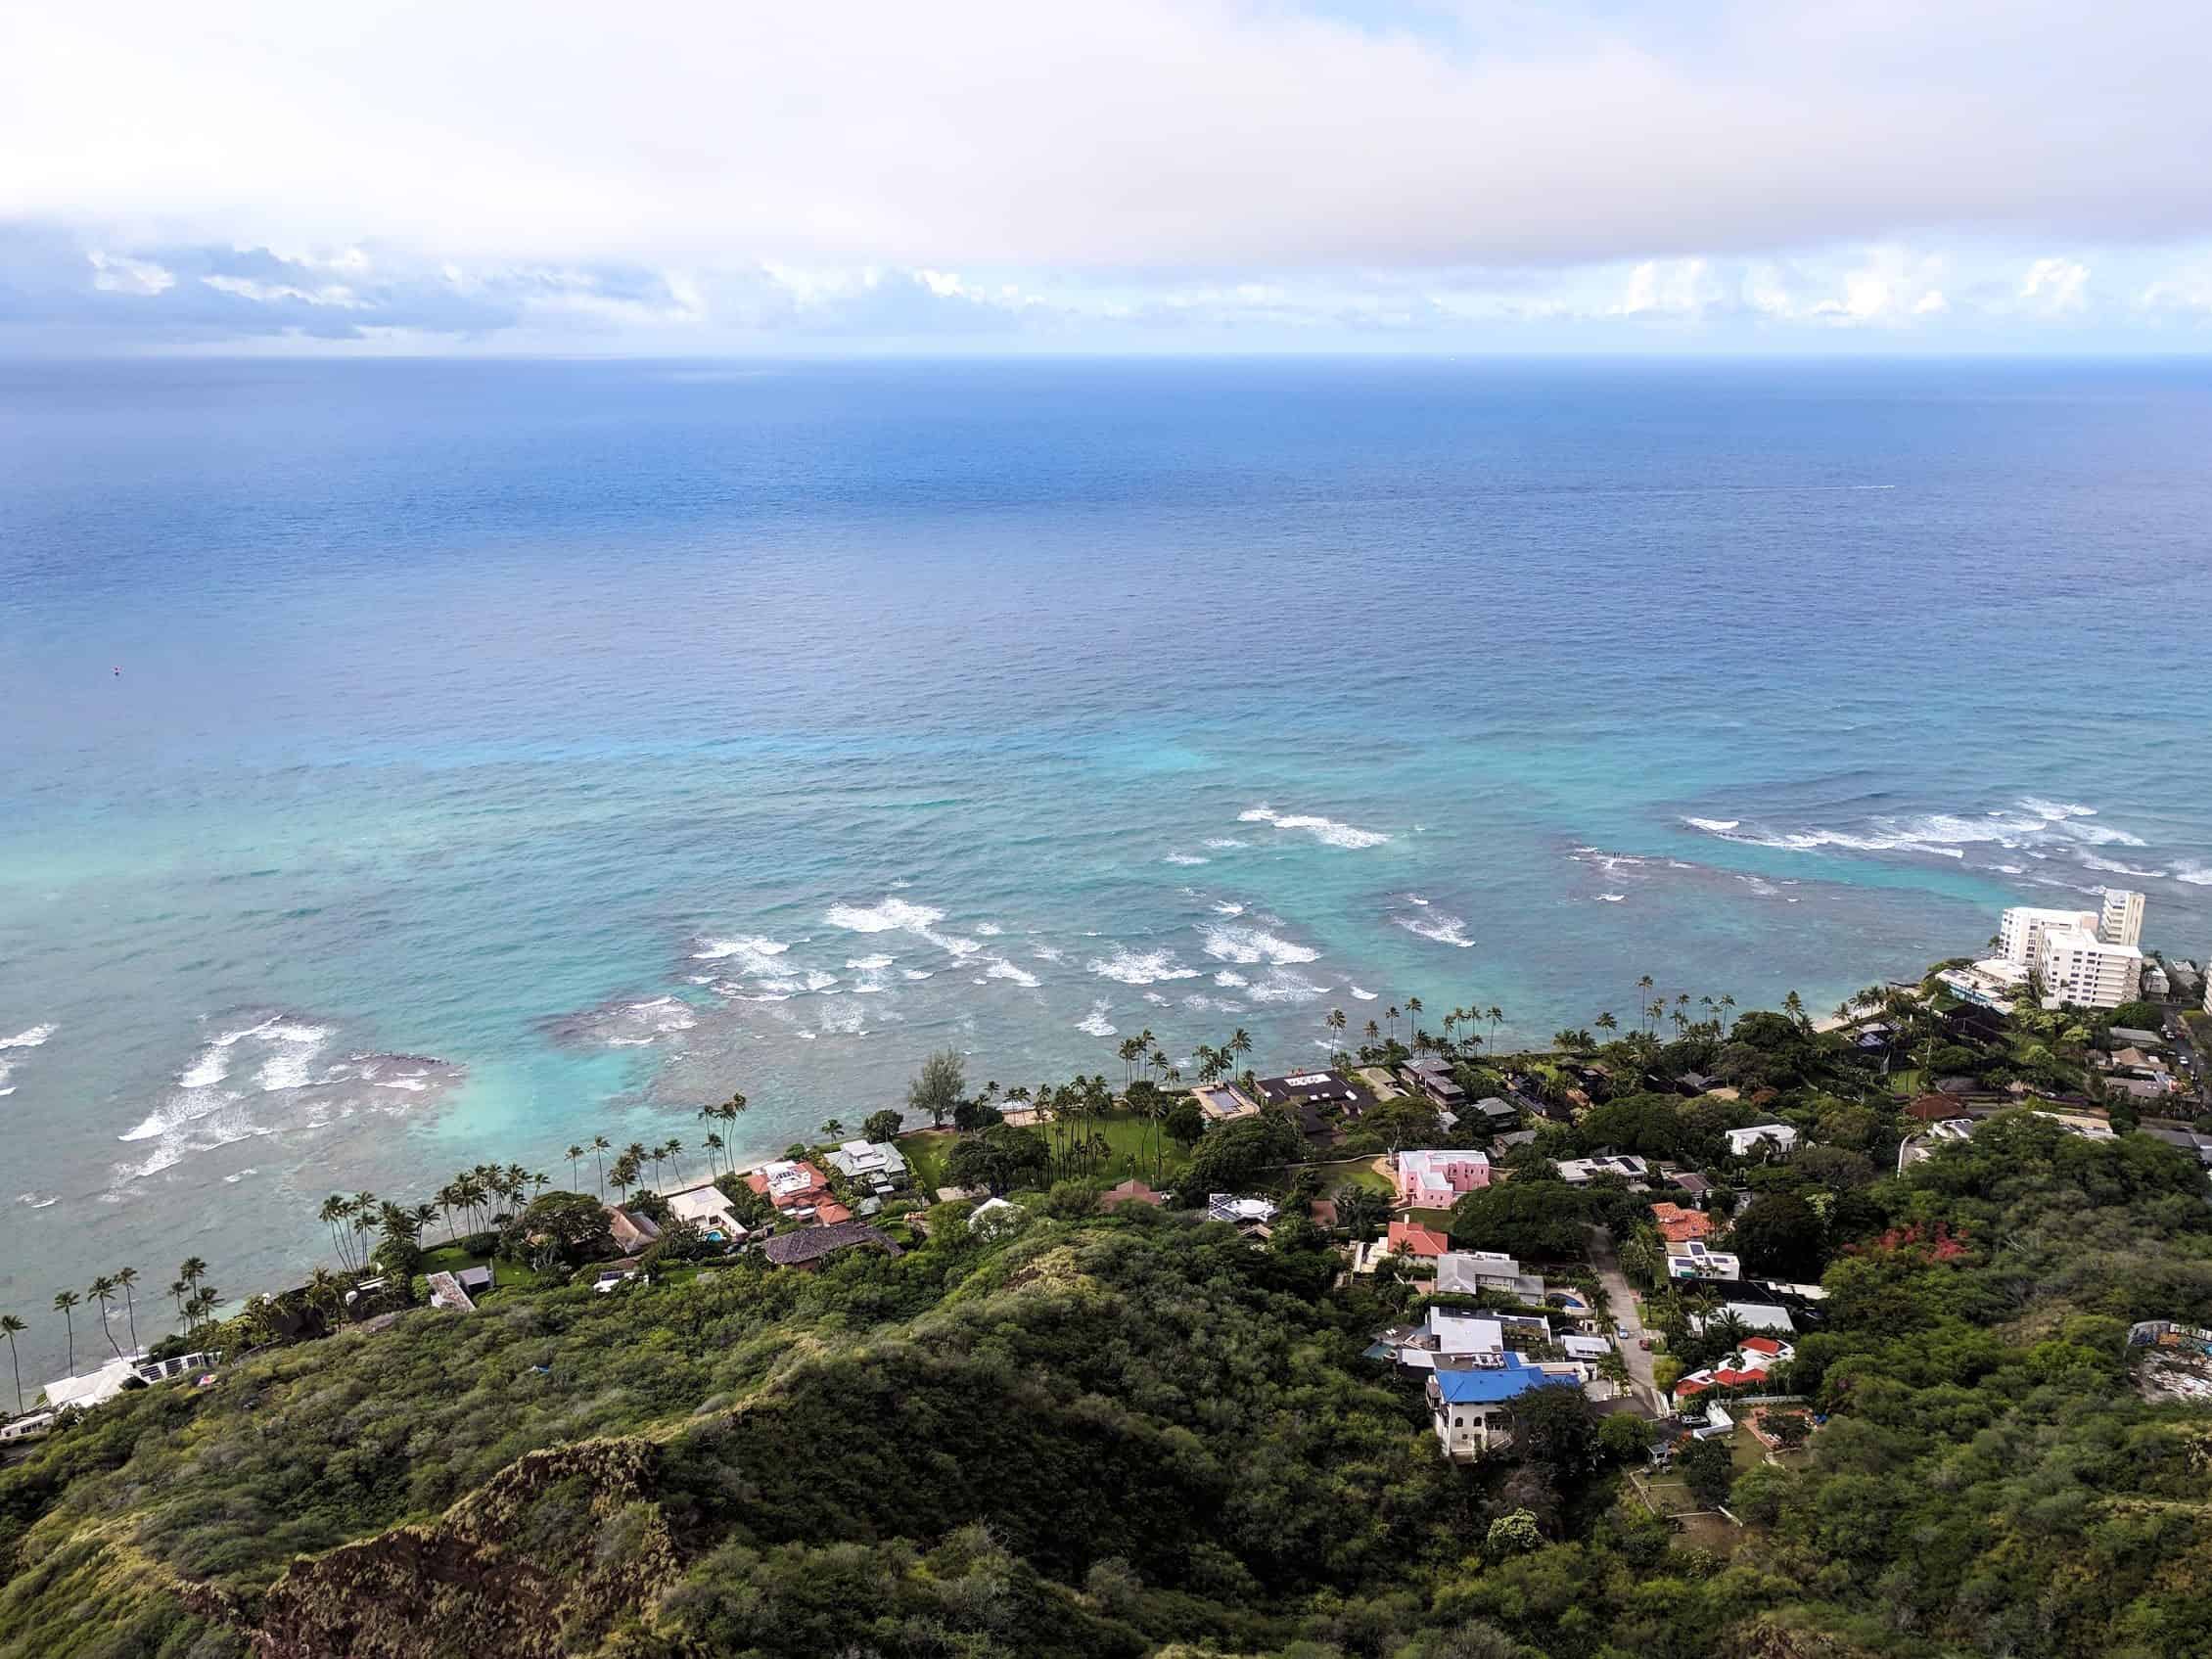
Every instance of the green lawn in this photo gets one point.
(505, 1275)
(1129, 1137)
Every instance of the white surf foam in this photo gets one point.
(2197, 875)
(1250, 944)
(1229, 979)
(1141, 967)
(990, 930)
(899, 915)
(1095, 1023)
(31, 1038)
(1001, 969)
(1326, 830)
(1611, 897)
(1281, 984)
(1363, 996)
(1224, 909)
(1445, 930)
(2113, 867)
(1221, 843)
(1185, 858)
(37, 1200)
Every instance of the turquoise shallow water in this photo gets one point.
(506, 753)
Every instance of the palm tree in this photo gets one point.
(1336, 1023)
(713, 1145)
(833, 1129)
(1496, 1016)
(9, 1326)
(100, 1289)
(1606, 1022)
(1726, 1002)
(1794, 1007)
(575, 1156)
(64, 1302)
(674, 1152)
(1240, 1041)
(1642, 985)
(1412, 1013)
(599, 1150)
(1390, 1018)
(1373, 1031)
(125, 1277)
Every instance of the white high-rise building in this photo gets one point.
(2020, 931)
(2122, 921)
(2080, 968)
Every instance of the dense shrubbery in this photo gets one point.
(1132, 1434)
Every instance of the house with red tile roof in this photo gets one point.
(1415, 1240)
(1131, 1192)
(1678, 1225)
(1747, 1366)
(795, 1188)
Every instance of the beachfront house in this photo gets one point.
(706, 1208)
(798, 1190)
(635, 1231)
(872, 1166)
(1434, 1180)
(1432, 1076)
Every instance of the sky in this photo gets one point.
(698, 178)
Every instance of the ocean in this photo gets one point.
(410, 764)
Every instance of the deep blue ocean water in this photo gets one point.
(505, 753)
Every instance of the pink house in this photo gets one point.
(1434, 1180)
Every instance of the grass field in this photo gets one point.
(1130, 1140)
(451, 1259)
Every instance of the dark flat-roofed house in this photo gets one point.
(810, 1247)
(1322, 1089)
(1429, 1074)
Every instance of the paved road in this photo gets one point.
(1622, 1299)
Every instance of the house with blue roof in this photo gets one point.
(1472, 1405)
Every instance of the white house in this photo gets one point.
(1578, 1172)
(1472, 1409)
(707, 1209)
(1690, 1259)
(1742, 1143)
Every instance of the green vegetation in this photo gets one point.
(1141, 1434)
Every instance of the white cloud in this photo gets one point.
(2185, 293)
(115, 273)
(2055, 287)
(1212, 136)
(274, 293)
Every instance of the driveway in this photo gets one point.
(1622, 1301)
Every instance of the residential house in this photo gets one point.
(1410, 1239)
(2196, 1145)
(1470, 1271)
(809, 1248)
(1320, 1089)
(1472, 1409)
(1579, 1171)
(798, 1190)
(1432, 1076)
(1690, 1259)
(1447, 1335)
(1434, 1180)
(1689, 1182)
(1678, 1225)
(635, 1231)
(1775, 1137)
(1220, 1102)
(1131, 1192)
(1496, 1114)
(871, 1166)
(1239, 1212)
(1748, 1366)
(706, 1208)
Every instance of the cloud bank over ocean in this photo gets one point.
(1140, 178)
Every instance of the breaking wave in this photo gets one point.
(901, 916)
(1445, 930)
(1141, 967)
(1326, 830)
(1095, 1023)
(1247, 945)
